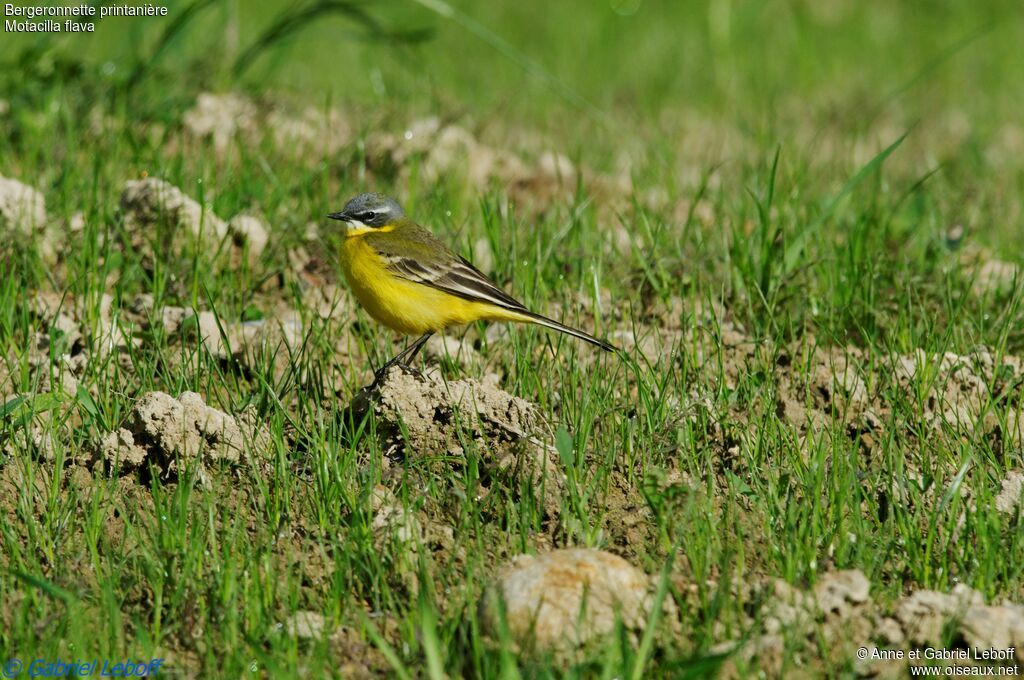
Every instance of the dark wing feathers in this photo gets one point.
(418, 256)
(465, 274)
(408, 269)
(459, 278)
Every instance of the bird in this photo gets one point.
(408, 280)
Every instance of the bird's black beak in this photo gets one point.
(338, 216)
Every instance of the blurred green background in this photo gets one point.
(633, 60)
(663, 91)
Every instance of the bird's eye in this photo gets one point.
(367, 217)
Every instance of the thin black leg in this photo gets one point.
(403, 358)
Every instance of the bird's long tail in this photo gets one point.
(531, 317)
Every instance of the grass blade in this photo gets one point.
(291, 21)
(795, 247)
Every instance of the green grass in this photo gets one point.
(767, 129)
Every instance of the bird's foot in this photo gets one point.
(381, 373)
(378, 378)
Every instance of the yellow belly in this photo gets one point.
(404, 306)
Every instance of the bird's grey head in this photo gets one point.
(369, 210)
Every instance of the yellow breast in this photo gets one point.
(401, 305)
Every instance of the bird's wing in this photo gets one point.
(415, 254)
(457, 277)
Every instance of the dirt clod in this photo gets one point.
(172, 433)
(161, 218)
(993, 277)
(446, 148)
(220, 117)
(995, 627)
(837, 591)
(426, 408)
(313, 131)
(359, 659)
(249, 231)
(421, 415)
(1009, 496)
(274, 338)
(306, 625)
(924, 613)
(956, 387)
(840, 611)
(401, 533)
(153, 202)
(23, 216)
(22, 208)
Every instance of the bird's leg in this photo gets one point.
(402, 358)
(409, 353)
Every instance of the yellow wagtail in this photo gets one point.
(411, 282)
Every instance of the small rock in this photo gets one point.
(564, 599)
(306, 625)
(23, 216)
(993, 277)
(250, 231)
(22, 208)
(393, 522)
(558, 167)
(1008, 499)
